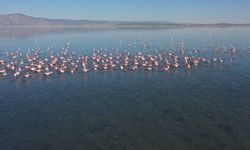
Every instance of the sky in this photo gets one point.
(184, 11)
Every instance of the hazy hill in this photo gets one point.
(21, 20)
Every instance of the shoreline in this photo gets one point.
(125, 26)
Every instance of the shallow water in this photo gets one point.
(206, 107)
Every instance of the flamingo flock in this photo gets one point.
(21, 64)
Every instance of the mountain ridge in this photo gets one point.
(22, 20)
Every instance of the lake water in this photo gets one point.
(206, 107)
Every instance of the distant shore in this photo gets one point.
(24, 21)
(132, 26)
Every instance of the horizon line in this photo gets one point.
(118, 20)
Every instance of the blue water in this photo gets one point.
(206, 107)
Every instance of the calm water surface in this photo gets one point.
(207, 107)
